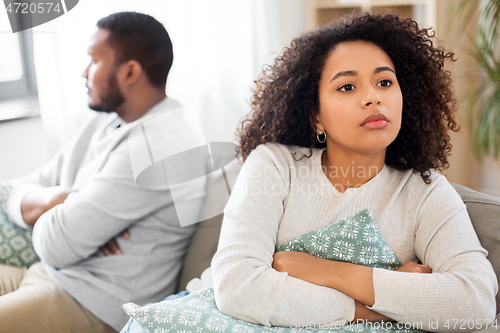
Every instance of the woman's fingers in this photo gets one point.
(412, 267)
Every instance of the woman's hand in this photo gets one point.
(363, 315)
(411, 267)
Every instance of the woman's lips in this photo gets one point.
(375, 124)
(375, 121)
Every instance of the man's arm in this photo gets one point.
(41, 189)
(107, 205)
(40, 200)
(33, 195)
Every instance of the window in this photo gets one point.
(10, 58)
(18, 92)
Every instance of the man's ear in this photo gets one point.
(132, 72)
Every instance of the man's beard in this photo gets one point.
(112, 98)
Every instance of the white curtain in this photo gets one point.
(220, 47)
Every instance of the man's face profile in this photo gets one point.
(103, 90)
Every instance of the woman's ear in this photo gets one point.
(318, 125)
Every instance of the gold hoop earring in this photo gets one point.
(318, 134)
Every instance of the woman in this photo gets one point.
(352, 116)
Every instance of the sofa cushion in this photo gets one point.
(204, 242)
(201, 250)
(484, 212)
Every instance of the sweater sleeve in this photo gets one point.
(245, 284)
(47, 175)
(106, 205)
(462, 286)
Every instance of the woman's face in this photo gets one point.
(360, 101)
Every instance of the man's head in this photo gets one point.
(128, 47)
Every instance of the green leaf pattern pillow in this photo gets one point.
(16, 248)
(355, 239)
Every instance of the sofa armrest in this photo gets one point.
(484, 212)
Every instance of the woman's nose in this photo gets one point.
(371, 97)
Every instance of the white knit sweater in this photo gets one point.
(277, 198)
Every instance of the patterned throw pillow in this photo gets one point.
(16, 248)
(355, 239)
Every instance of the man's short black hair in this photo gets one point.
(140, 37)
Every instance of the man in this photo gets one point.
(87, 196)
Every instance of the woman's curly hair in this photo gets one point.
(285, 101)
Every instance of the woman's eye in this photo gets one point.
(346, 87)
(384, 83)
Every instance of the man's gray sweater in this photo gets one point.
(107, 201)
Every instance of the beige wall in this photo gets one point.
(463, 162)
